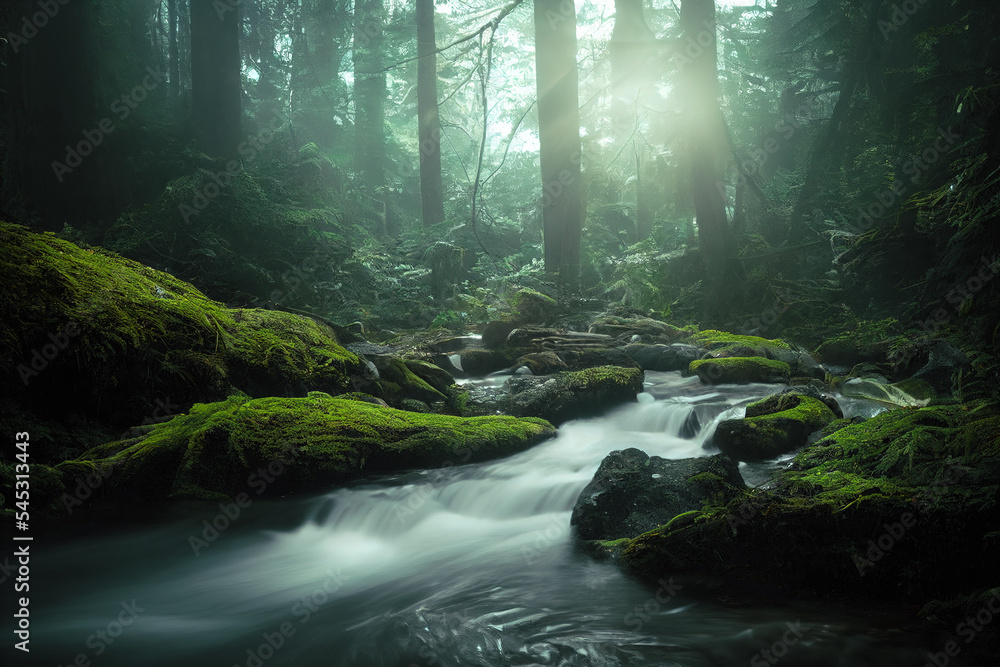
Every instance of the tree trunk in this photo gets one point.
(559, 138)
(216, 86)
(175, 65)
(429, 130)
(707, 132)
(369, 94)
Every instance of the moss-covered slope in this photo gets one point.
(905, 504)
(276, 445)
(91, 334)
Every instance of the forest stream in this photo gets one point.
(469, 565)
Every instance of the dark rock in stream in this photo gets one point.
(676, 357)
(572, 395)
(632, 493)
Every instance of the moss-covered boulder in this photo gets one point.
(278, 445)
(773, 426)
(532, 307)
(740, 370)
(115, 339)
(400, 382)
(632, 493)
(647, 329)
(573, 394)
(903, 505)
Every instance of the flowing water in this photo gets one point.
(469, 565)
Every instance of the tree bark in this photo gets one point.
(369, 94)
(707, 133)
(173, 55)
(429, 125)
(216, 86)
(557, 82)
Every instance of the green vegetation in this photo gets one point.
(740, 370)
(835, 521)
(217, 450)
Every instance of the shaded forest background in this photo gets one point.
(269, 152)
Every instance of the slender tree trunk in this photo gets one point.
(184, 50)
(559, 137)
(175, 65)
(215, 76)
(429, 125)
(369, 94)
(707, 143)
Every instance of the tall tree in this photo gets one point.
(557, 81)
(173, 55)
(429, 125)
(707, 147)
(216, 84)
(369, 94)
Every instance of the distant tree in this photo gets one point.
(557, 81)
(369, 94)
(429, 125)
(707, 149)
(216, 81)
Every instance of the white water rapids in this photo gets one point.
(471, 565)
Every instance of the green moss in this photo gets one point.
(219, 449)
(712, 339)
(740, 370)
(774, 425)
(827, 522)
(139, 335)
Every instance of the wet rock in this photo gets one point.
(495, 334)
(632, 493)
(647, 329)
(773, 426)
(659, 357)
(480, 363)
(572, 394)
(740, 370)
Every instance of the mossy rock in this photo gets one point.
(532, 307)
(113, 337)
(399, 382)
(573, 394)
(648, 329)
(713, 339)
(869, 510)
(220, 449)
(740, 370)
(774, 426)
